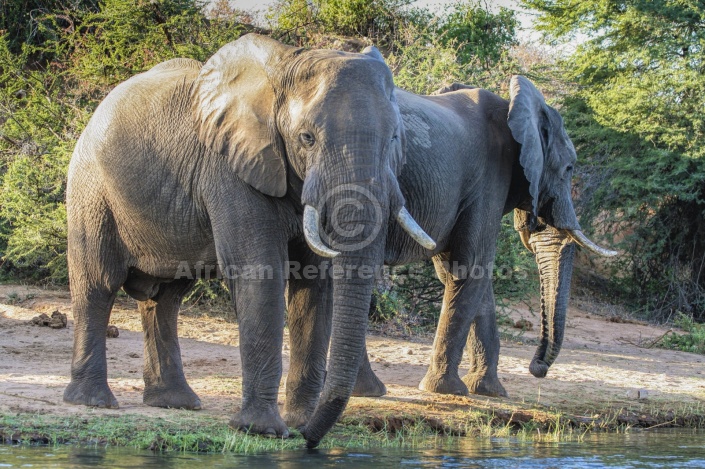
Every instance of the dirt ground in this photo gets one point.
(604, 366)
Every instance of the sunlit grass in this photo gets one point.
(194, 433)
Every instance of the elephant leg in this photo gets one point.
(89, 368)
(466, 273)
(96, 275)
(483, 350)
(454, 324)
(251, 246)
(165, 384)
(309, 313)
(368, 384)
(259, 304)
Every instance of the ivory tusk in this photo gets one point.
(583, 241)
(312, 235)
(525, 235)
(407, 222)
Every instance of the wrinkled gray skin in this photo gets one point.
(471, 157)
(188, 163)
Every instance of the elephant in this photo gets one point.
(472, 157)
(238, 167)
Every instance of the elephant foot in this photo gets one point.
(368, 384)
(172, 397)
(443, 384)
(484, 385)
(90, 394)
(262, 422)
(297, 418)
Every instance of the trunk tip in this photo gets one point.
(538, 368)
(311, 443)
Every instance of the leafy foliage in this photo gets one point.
(58, 59)
(21, 20)
(478, 33)
(301, 21)
(50, 87)
(637, 120)
(692, 340)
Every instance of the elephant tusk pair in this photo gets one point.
(585, 242)
(404, 218)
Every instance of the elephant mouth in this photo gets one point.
(403, 217)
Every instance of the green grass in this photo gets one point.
(193, 434)
(202, 433)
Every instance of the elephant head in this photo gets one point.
(546, 220)
(321, 126)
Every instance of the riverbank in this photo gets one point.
(606, 379)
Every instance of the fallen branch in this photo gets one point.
(30, 398)
(641, 344)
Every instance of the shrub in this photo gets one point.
(693, 340)
(49, 89)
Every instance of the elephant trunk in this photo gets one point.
(353, 272)
(554, 251)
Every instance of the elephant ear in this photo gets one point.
(526, 121)
(234, 109)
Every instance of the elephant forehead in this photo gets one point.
(296, 109)
(417, 130)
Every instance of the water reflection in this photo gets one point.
(653, 449)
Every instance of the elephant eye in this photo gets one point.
(569, 168)
(395, 137)
(307, 139)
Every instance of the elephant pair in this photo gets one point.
(269, 154)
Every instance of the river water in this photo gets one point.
(646, 449)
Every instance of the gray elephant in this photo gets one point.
(233, 163)
(471, 157)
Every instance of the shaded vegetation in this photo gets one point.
(632, 94)
(692, 339)
(59, 59)
(636, 118)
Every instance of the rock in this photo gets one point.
(637, 394)
(524, 325)
(112, 332)
(57, 320)
(41, 320)
(408, 351)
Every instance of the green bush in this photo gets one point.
(478, 33)
(692, 340)
(58, 59)
(48, 91)
(636, 118)
(381, 21)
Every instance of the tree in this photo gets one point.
(641, 76)
(56, 64)
(478, 33)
